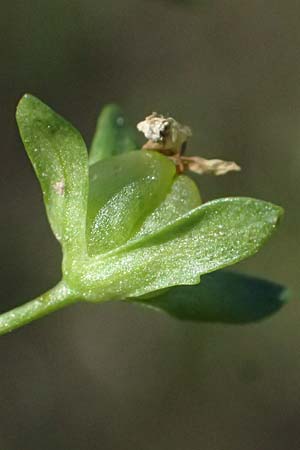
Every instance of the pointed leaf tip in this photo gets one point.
(59, 157)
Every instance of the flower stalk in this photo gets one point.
(52, 300)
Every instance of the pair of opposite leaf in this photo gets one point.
(132, 229)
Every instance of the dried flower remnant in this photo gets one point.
(169, 137)
(164, 134)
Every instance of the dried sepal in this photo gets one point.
(203, 166)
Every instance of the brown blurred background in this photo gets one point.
(113, 376)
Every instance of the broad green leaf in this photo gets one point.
(113, 136)
(183, 197)
(123, 191)
(59, 157)
(221, 297)
(212, 236)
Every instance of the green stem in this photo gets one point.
(56, 298)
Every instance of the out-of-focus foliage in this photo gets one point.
(112, 136)
(221, 297)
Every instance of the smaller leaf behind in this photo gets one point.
(113, 136)
(59, 157)
(123, 191)
(221, 297)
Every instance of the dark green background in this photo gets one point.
(114, 376)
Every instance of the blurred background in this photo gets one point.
(114, 376)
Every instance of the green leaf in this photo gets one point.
(113, 136)
(183, 197)
(221, 297)
(123, 191)
(59, 157)
(208, 238)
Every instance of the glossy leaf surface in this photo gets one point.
(210, 237)
(183, 197)
(221, 297)
(123, 191)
